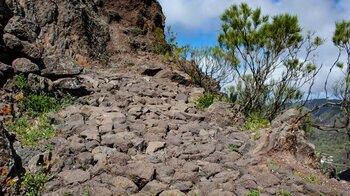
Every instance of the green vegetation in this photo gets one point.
(284, 193)
(257, 45)
(207, 99)
(256, 121)
(160, 46)
(341, 39)
(253, 193)
(21, 82)
(33, 184)
(256, 135)
(274, 164)
(32, 131)
(34, 125)
(306, 125)
(309, 178)
(135, 31)
(233, 148)
(86, 191)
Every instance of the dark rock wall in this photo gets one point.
(85, 30)
(38, 28)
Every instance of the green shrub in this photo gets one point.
(253, 193)
(35, 104)
(204, 101)
(21, 82)
(34, 183)
(256, 121)
(31, 132)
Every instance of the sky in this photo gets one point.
(197, 23)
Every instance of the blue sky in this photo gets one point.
(197, 22)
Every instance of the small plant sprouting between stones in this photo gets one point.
(256, 135)
(206, 100)
(253, 193)
(309, 178)
(32, 131)
(34, 183)
(233, 148)
(283, 193)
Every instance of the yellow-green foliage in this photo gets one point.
(160, 46)
(34, 126)
(32, 131)
(204, 101)
(256, 121)
(283, 193)
(256, 135)
(253, 193)
(34, 183)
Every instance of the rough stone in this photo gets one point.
(154, 146)
(172, 193)
(224, 114)
(23, 65)
(59, 66)
(39, 83)
(124, 183)
(141, 173)
(74, 176)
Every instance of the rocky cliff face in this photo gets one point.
(81, 29)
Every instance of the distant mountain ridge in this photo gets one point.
(324, 115)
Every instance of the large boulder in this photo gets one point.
(286, 137)
(61, 66)
(224, 114)
(23, 65)
(38, 83)
(23, 28)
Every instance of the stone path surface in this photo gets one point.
(142, 135)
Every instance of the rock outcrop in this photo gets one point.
(286, 137)
(80, 29)
(58, 38)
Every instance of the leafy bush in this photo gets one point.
(256, 121)
(135, 31)
(35, 104)
(160, 46)
(306, 125)
(34, 183)
(207, 99)
(31, 132)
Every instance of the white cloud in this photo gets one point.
(314, 15)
